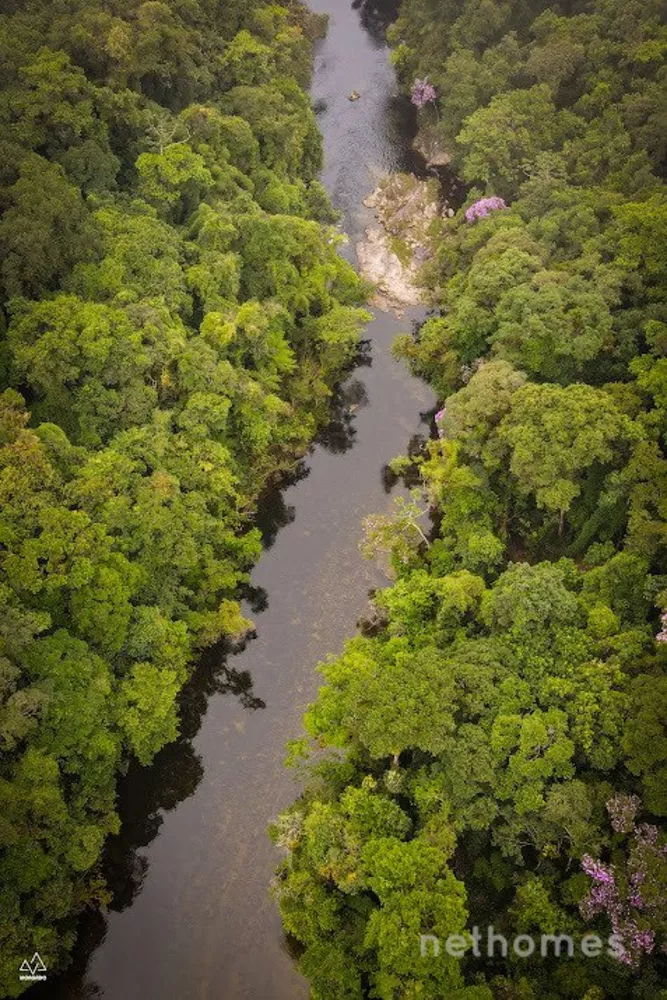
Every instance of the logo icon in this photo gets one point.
(32, 971)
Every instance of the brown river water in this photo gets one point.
(192, 918)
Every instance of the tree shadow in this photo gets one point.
(273, 512)
(339, 435)
(410, 477)
(375, 17)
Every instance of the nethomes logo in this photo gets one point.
(32, 971)
(523, 945)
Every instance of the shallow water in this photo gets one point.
(192, 918)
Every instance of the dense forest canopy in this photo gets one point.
(492, 749)
(173, 316)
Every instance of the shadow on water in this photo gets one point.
(376, 17)
(340, 433)
(410, 477)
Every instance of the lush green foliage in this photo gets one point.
(174, 315)
(510, 699)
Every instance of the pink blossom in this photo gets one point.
(423, 93)
(480, 209)
(629, 893)
(597, 871)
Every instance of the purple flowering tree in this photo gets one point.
(480, 209)
(631, 892)
(662, 634)
(423, 93)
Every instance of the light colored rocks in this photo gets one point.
(393, 251)
(395, 283)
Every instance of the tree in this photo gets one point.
(44, 232)
(553, 328)
(361, 699)
(89, 368)
(556, 435)
(499, 143)
(175, 181)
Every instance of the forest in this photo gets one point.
(491, 748)
(173, 316)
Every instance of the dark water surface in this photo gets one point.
(192, 918)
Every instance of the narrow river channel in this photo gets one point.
(192, 918)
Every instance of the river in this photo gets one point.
(192, 918)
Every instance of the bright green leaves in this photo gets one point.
(500, 142)
(531, 751)
(54, 103)
(246, 61)
(142, 261)
(337, 331)
(645, 739)
(418, 895)
(473, 414)
(555, 435)
(539, 448)
(554, 327)
(21, 705)
(288, 259)
(77, 684)
(334, 836)
(365, 687)
(87, 364)
(284, 124)
(53, 110)
(257, 341)
(174, 181)
(147, 709)
(529, 599)
(506, 740)
(422, 606)
(387, 891)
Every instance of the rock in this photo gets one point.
(450, 213)
(428, 143)
(353, 96)
(395, 282)
(422, 254)
(393, 251)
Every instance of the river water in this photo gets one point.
(192, 918)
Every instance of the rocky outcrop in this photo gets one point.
(395, 283)
(394, 250)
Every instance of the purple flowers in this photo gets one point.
(632, 893)
(423, 93)
(597, 871)
(439, 417)
(480, 209)
(662, 634)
